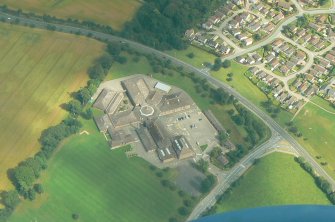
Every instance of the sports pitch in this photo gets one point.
(38, 70)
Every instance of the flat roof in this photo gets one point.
(163, 87)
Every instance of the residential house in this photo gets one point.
(207, 25)
(247, 41)
(269, 58)
(257, 57)
(277, 90)
(269, 27)
(324, 63)
(189, 33)
(277, 43)
(274, 64)
(330, 57)
(284, 69)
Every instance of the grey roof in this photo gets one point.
(166, 154)
(124, 118)
(214, 121)
(121, 137)
(103, 122)
(146, 139)
(114, 103)
(182, 147)
(175, 102)
(159, 133)
(137, 89)
(104, 99)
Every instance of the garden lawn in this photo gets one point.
(276, 180)
(108, 12)
(38, 69)
(318, 126)
(87, 178)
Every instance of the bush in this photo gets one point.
(226, 64)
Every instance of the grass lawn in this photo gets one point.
(87, 178)
(38, 70)
(109, 12)
(200, 56)
(276, 180)
(319, 131)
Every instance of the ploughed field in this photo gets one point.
(108, 12)
(38, 70)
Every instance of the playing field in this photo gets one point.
(319, 131)
(276, 180)
(38, 70)
(98, 184)
(109, 12)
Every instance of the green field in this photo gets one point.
(276, 180)
(38, 70)
(319, 131)
(109, 12)
(87, 178)
(200, 56)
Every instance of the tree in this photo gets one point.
(24, 177)
(207, 184)
(31, 194)
(74, 107)
(257, 37)
(96, 72)
(38, 188)
(10, 199)
(202, 165)
(217, 64)
(75, 216)
(84, 95)
(226, 64)
(190, 55)
(183, 211)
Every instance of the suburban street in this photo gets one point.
(278, 132)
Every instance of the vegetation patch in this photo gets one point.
(274, 180)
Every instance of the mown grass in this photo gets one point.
(276, 180)
(318, 129)
(200, 56)
(109, 12)
(38, 70)
(87, 178)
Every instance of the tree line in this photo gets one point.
(321, 182)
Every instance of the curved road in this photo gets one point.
(277, 131)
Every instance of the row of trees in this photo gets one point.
(321, 182)
(52, 19)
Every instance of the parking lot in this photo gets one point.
(194, 126)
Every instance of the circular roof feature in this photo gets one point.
(147, 111)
